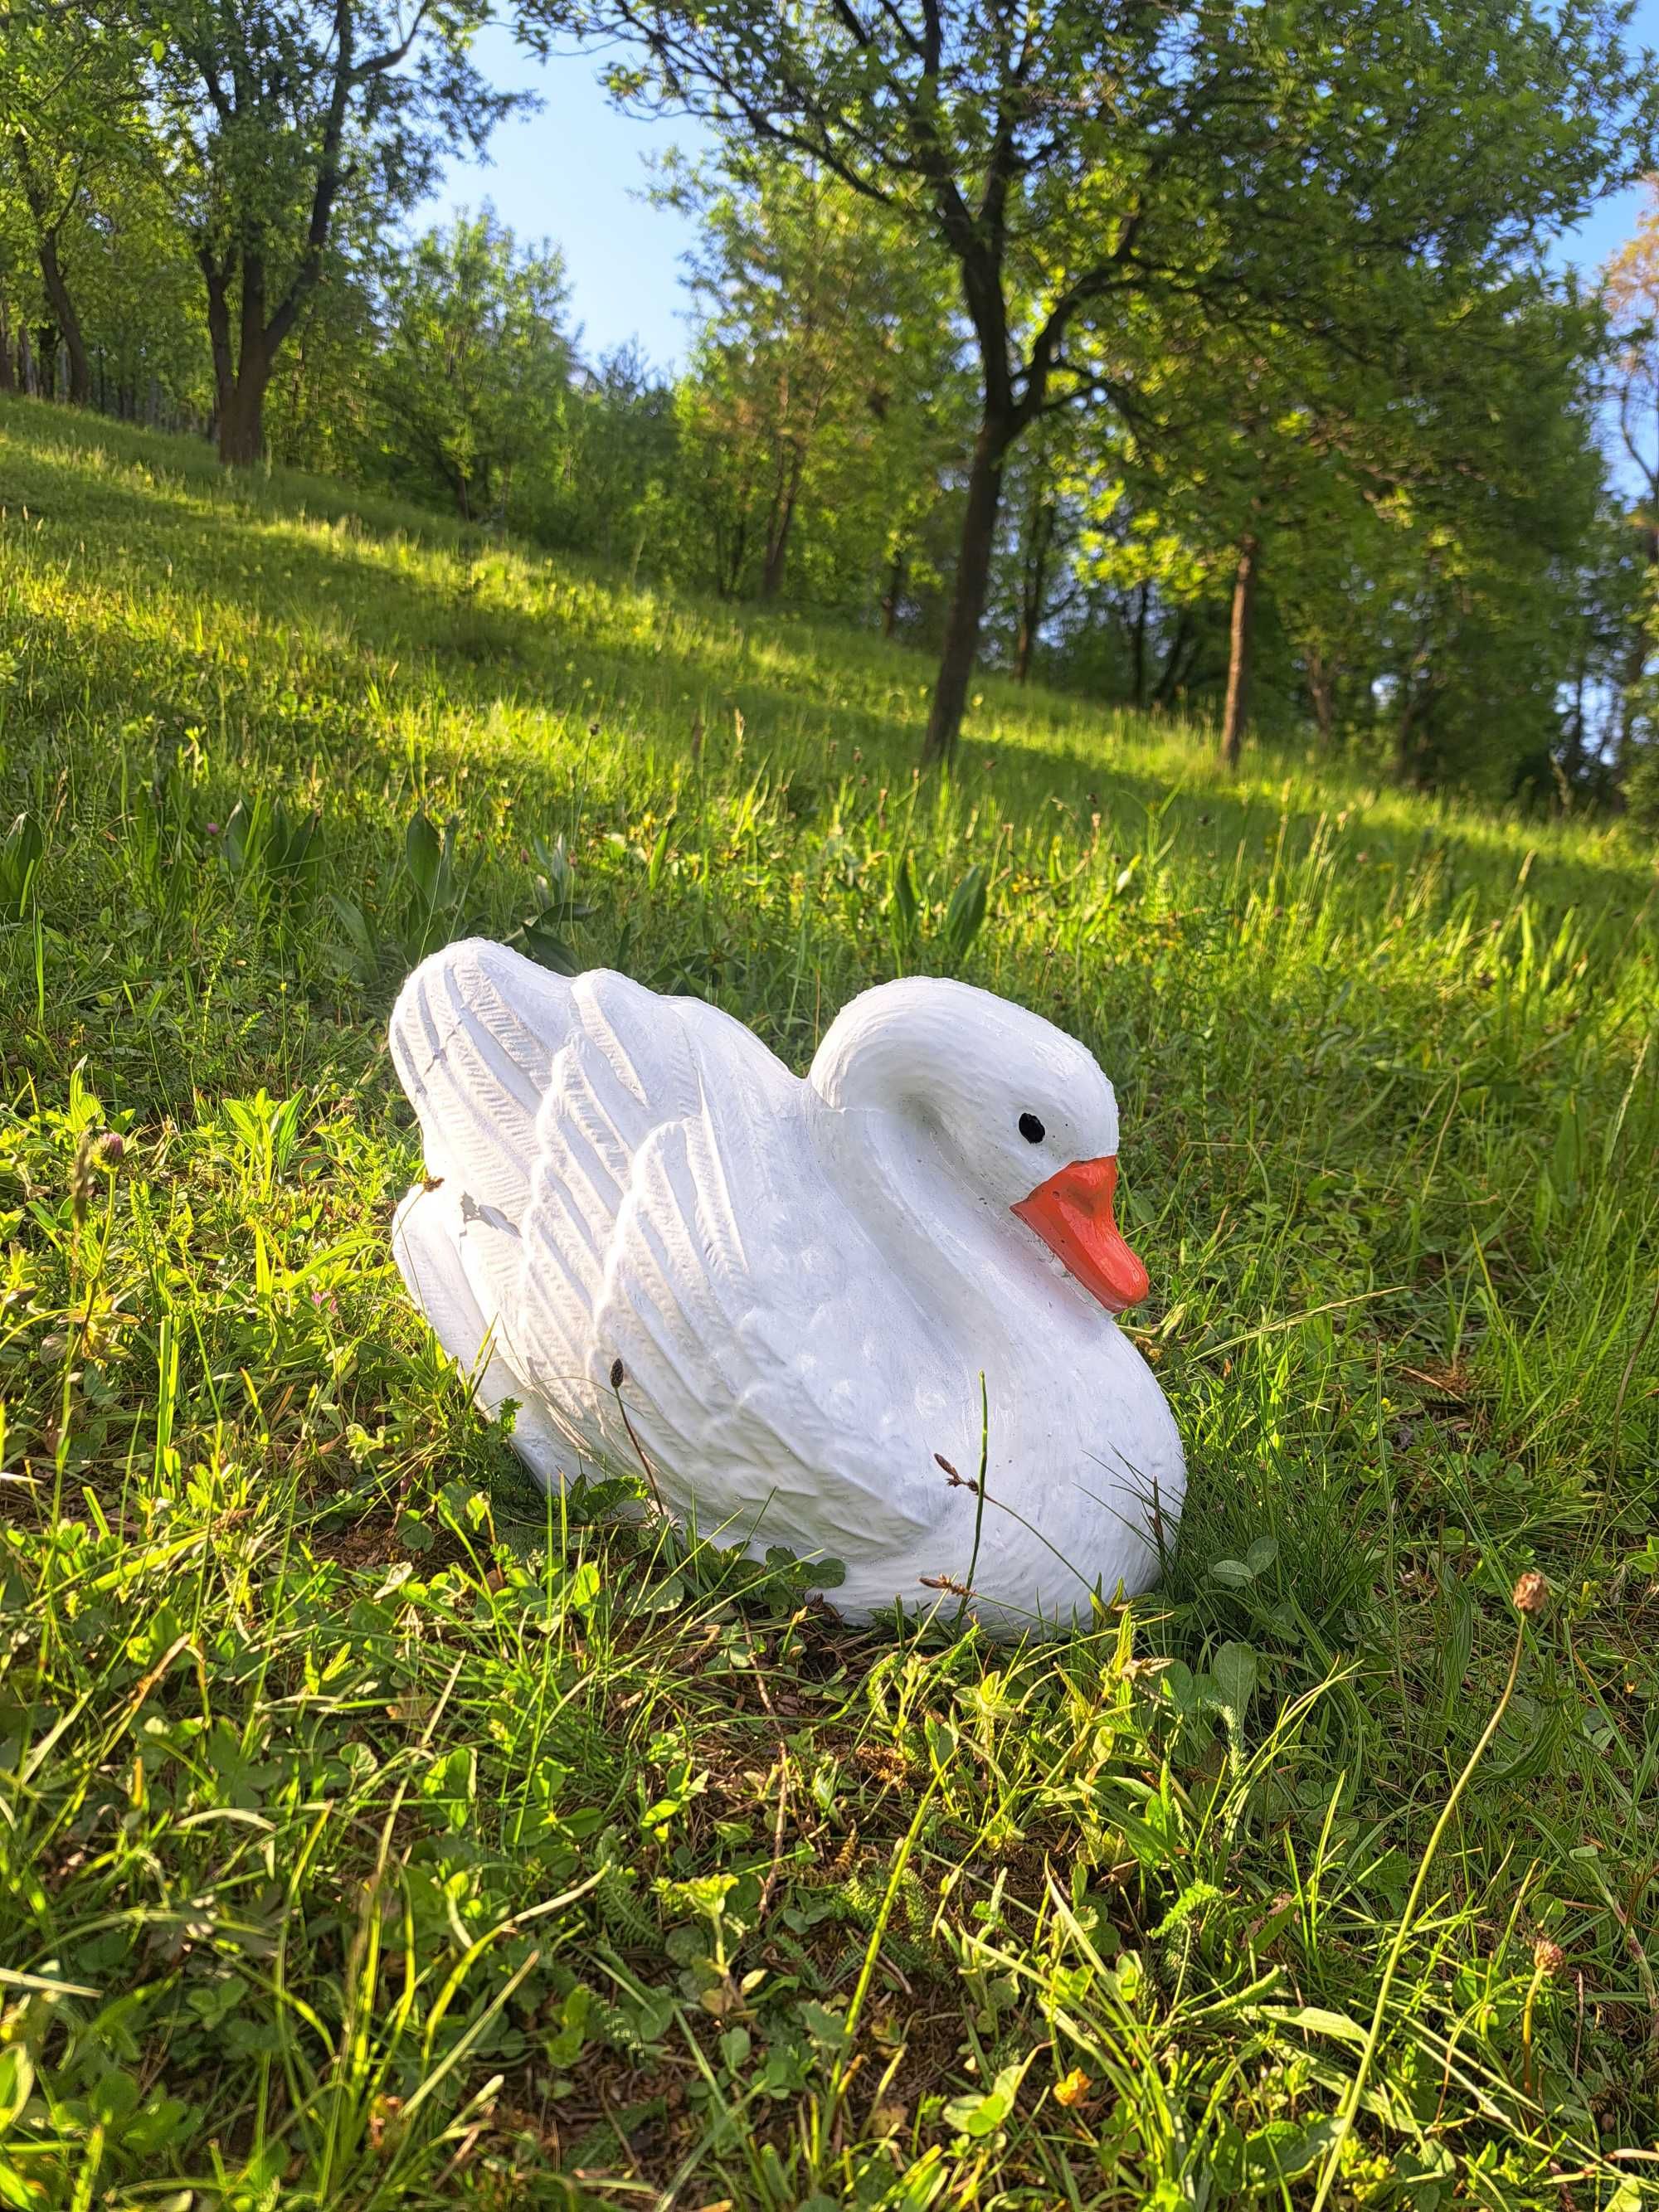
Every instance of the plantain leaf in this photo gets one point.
(424, 856)
(966, 914)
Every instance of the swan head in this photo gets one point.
(1015, 1111)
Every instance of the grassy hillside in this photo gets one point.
(375, 1833)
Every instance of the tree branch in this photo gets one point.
(393, 57)
(329, 173)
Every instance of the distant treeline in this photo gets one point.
(1205, 362)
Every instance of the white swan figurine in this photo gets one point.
(792, 1288)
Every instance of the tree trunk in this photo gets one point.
(1033, 588)
(1570, 767)
(1321, 692)
(216, 277)
(241, 375)
(242, 422)
(7, 364)
(46, 226)
(777, 546)
(1636, 655)
(734, 566)
(783, 514)
(242, 425)
(772, 573)
(1406, 745)
(973, 576)
(1137, 645)
(69, 321)
(1237, 716)
(1411, 741)
(890, 603)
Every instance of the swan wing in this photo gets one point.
(628, 1178)
(678, 1225)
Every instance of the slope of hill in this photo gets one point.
(376, 1832)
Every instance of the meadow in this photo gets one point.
(375, 1832)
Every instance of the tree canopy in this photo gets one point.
(278, 114)
(1205, 359)
(1269, 167)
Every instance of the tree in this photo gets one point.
(51, 199)
(1631, 289)
(1604, 729)
(823, 373)
(1034, 586)
(621, 467)
(71, 111)
(138, 284)
(472, 376)
(1331, 495)
(1070, 157)
(283, 113)
(321, 411)
(1499, 495)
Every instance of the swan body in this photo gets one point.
(792, 1287)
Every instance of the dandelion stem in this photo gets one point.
(618, 1378)
(979, 1490)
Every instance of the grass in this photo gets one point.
(378, 1832)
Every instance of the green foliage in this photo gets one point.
(19, 856)
(260, 837)
(1190, 336)
(544, 933)
(827, 392)
(471, 379)
(1303, 171)
(87, 255)
(1415, 560)
(285, 127)
(426, 906)
(965, 915)
(955, 926)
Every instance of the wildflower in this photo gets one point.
(1531, 1592)
(1071, 2089)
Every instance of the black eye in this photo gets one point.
(1031, 1129)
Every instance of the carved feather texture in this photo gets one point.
(632, 1178)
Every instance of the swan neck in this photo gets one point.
(942, 1242)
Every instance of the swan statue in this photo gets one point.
(779, 1296)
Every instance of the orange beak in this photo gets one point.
(1071, 1212)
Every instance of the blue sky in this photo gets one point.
(574, 173)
